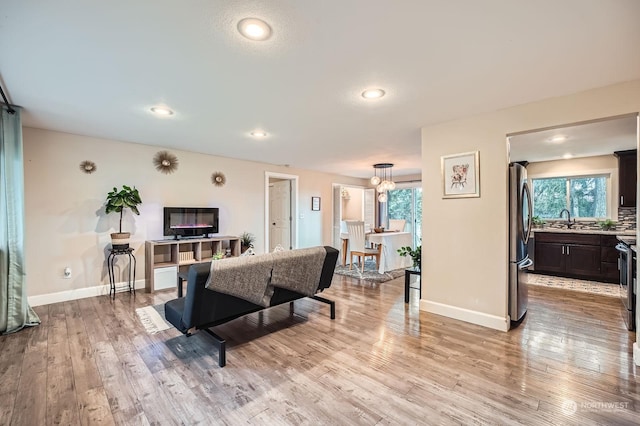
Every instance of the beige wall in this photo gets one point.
(352, 207)
(66, 224)
(465, 241)
(578, 166)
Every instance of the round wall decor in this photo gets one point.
(165, 162)
(218, 179)
(88, 167)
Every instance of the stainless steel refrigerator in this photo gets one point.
(519, 232)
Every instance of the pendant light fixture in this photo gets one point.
(383, 180)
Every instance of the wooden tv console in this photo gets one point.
(166, 258)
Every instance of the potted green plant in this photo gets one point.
(118, 201)
(416, 255)
(246, 241)
(606, 224)
(537, 222)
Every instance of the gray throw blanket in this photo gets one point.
(245, 277)
(298, 270)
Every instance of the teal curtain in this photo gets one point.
(15, 312)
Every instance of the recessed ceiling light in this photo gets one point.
(567, 156)
(161, 110)
(254, 29)
(559, 138)
(259, 134)
(373, 93)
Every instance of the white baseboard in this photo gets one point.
(79, 293)
(462, 314)
(636, 353)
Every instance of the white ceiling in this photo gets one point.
(582, 140)
(95, 68)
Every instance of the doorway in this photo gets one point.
(281, 211)
(351, 203)
(576, 175)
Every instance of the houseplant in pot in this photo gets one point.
(246, 241)
(606, 224)
(538, 222)
(118, 201)
(416, 255)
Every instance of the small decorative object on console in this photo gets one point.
(248, 252)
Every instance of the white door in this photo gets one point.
(280, 214)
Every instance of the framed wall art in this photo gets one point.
(461, 175)
(315, 204)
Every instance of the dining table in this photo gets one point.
(390, 241)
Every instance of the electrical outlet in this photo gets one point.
(67, 273)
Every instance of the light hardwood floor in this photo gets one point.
(381, 361)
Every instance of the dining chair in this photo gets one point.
(357, 244)
(343, 227)
(397, 224)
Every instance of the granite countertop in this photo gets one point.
(629, 240)
(584, 231)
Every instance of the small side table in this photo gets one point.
(111, 260)
(407, 280)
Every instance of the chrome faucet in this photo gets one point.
(569, 223)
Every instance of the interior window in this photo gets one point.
(583, 196)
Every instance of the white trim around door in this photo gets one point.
(294, 207)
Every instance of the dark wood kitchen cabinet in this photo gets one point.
(609, 259)
(627, 177)
(549, 257)
(574, 255)
(583, 260)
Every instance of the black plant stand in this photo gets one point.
(407, 280)
(111, 260)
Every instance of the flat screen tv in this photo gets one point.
(190, 221)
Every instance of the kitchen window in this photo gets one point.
(583, 196)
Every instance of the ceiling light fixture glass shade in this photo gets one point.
(254, 29)
(258, 134)
(383, 180)
(373, 93)
(161, 110)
